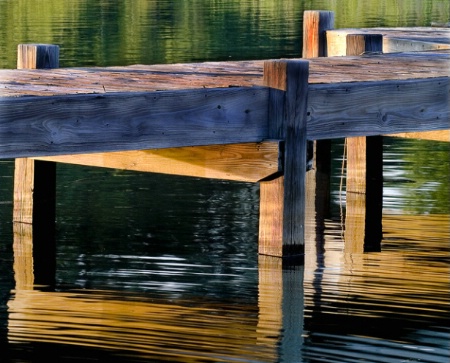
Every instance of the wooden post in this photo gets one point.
(37, 56)
(359, 44)
(282, 200)
(364, 202)
(315, 25)
(35, 191)
(363, 229)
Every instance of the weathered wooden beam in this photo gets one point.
(377, 108)
(282, 200)
(43, 126)
(249, 162)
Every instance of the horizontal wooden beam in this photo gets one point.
(250, 162)
(70, 124)
(378, 108)
(394, 39)
(439, 135)
(79, 124)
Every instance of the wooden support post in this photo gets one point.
(35, 193)
(364, 201)
(359, 44)
(37, 56)
(363, 229)
(282, 200)
(315, 25)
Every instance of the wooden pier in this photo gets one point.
(246, 121)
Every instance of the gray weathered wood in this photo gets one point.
(377, 108)
(39, 126)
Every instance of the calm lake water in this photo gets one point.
(157, 268)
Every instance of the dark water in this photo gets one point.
(162, 268)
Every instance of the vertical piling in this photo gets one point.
(315, 25)
(282, 200)
(37, 56)
(35, 192)
(363, 229)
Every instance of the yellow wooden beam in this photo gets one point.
(438, 135)
(249, 162)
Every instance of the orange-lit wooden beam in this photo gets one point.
(249, 162)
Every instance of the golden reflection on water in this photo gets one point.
(350, 300)
(172, 331)
(411, 272)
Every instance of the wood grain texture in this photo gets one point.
(295, 158)
(43, 126)
(148, 78)
(23, 190)
(239, 162)
(377, 108)
(282, 200)
(271, 217)
(315, 25)
(23, 256)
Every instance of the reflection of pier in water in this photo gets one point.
(334, 301)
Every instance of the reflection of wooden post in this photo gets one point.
(363, 230)
(34, 193)
(270, 295)
(281, 307)
(282, 200)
